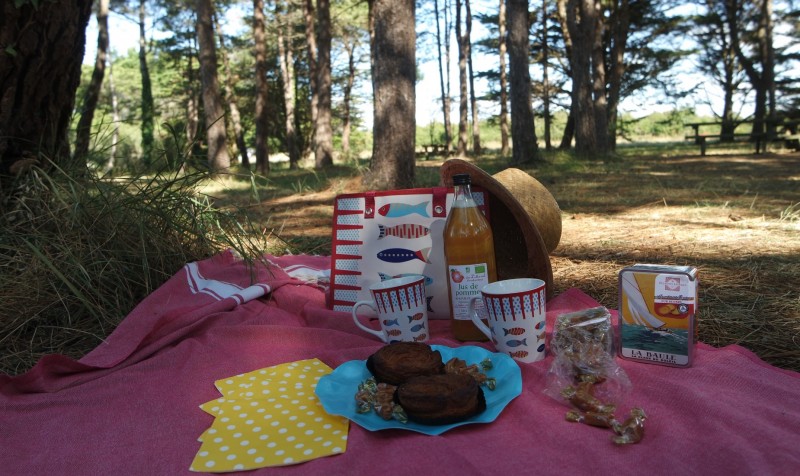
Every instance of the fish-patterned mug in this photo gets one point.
(401, 308)
(515, 311)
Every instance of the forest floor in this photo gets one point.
(734, 216)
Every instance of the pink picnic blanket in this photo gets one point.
(131, 405)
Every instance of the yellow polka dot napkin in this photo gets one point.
(269, 417)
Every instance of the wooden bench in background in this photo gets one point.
(788, 135)
(431, 150)
(703, 140)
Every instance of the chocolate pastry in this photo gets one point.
(398, 362)
(440, 399)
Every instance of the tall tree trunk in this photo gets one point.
(763, 81)
(148, 105)
(349, 46)
(40, 69)
(214, 112)
(192, 106)
(323, 152)
(569, 132)
(262, 89)
(448, 26)
(371, 29)
(501, 24)
(445, 99)
(115, 119)
(729, 65)
(768, 52)
(620, 29)
(476, 128)
(286, 60)
(84, 131)
(463, 106)
(546, 77)
(581, 23)
(394, 77)
(523, 133)
(599, 105)
(569, 128)
(230, 97)
(311, 42)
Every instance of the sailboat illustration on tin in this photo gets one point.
(639, 313)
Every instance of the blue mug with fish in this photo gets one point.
(401, 308)
(515, 311)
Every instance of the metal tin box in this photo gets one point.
(657, 307)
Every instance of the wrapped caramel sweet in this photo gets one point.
(585, 376)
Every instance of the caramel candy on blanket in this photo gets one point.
(632, 429)
(602, 420)
(582, 397)
(459, 366)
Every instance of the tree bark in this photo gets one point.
(84, 131)
(569, 132)
(286, 60)
(230, 97)
(448, 124)
(620, 29)
(148, 106)
(569, 128)
(115, 119)
(218, 159)
(323, 152)
(262, 89)
(40, 69)
(192, 105)
(350, 46)
(718, 60)
(545, 77)
(394, 76)
(523, 132)
(476, 128)
(463, 108)
(599, 105)
(581, 22)
(444, 97)
(763, 81)
(768, 53)
(501, 23)
(311, 42)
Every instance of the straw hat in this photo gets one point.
(525, 220)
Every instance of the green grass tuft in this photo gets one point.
(78, 254)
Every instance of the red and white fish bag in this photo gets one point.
(382, 235)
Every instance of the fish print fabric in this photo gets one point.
(382, 235)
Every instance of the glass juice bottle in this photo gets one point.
(469, 251)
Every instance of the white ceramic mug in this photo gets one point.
(515, 310)
(401, 308)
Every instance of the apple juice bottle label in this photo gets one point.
(466, 282)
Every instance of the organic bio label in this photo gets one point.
(466, 282)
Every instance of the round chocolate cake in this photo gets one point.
(440, 399)
(398, 362)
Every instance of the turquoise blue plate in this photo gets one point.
(337, 390)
